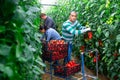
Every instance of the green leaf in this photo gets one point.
(36, 72)
(4, 7)
(2, 28)
(18, 35)
(36, 68)
(112, 68)
(103, 57)
(19, 16)
(97, 44)
(109, 62)
(22, 59)
(30, 22)
(28, 52)
(118, 38)
(33, 9)
(104, 50)
(40, 63)
(101, 7)
(108, 54)
(119, 50)
(4, 50)
(30, 48)
(37, 37)
(102, 13)
(106, 45)
(2, 67)
(18, 51)
(113, 13)
(113, 74)
(99, 30)
(8, 71)
(107, 34)
(119, 58)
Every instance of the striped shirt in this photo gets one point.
(69, 30)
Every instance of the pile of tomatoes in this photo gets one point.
(57, 45)
(71, 63)
(56, 49)
(70, 68)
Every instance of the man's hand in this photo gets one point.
(85, 30)
(88, 29)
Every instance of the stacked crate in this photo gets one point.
(68, 69)
(56, 50)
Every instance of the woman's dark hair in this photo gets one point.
(43, 27)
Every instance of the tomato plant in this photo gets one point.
(104, 19)
(20, 47)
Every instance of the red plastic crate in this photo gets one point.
(64, 71)
(52, 52)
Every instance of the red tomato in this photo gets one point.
(91, 54)
(116, 77)
(90, 35)
(82, 48)
(94, 60)
(100, 43)
(73, 62)
(68, 65)
(115, 54)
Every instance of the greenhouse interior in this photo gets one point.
(59, 39)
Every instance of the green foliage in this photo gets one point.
(20, 47)
(103, 18)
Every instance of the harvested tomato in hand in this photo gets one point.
(90, 35)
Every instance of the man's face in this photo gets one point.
(73, 16)
(42, 17)
(42, 31)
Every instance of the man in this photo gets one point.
(48, 22)
(70, 28)
(49, 33)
